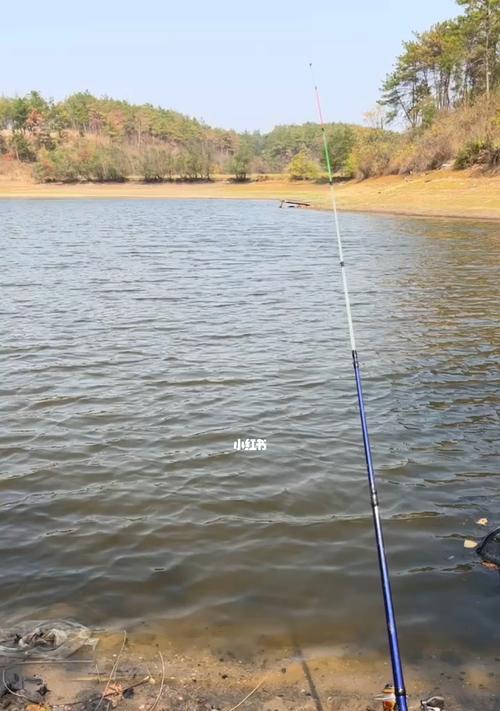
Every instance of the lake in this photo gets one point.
(140, 339)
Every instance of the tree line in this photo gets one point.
(441, 100)
(450, 65)
(89, 138)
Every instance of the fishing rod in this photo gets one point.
(390, 616)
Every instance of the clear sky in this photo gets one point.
(241, 65)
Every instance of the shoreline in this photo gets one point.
(221, 677)
(439, 194)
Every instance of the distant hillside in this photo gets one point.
(103, 139)
(444, 93)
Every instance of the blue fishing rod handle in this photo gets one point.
(396, 663)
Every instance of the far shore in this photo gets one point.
(442, 194)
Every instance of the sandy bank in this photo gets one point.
(460, 194)
(156, 674)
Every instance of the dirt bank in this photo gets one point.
(148, 672)
(461, 194)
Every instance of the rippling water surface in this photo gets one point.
(141, 338)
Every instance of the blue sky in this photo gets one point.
(241, 65)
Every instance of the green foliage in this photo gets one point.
(240, 163)
(159, 143)
(5, 112)
(75, 112)
(21, 148)
(449, 134)
(470, 154)
(478, 153)
(481, 30)
(341, 139)
(302, 167)
(284, 142)
(59, 166)
(107, 164)
(157, 165)
(447, 66)
(371, 154)
(82, 162)
(194, 162)
(444, 87)
(19, 114)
